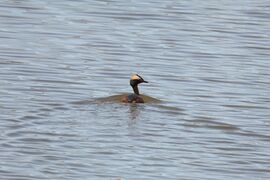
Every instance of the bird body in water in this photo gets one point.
(135, 80)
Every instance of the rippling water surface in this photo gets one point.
(207, 61)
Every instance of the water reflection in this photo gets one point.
(134, 112)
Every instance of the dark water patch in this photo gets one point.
(245, 106)
(19, 56)
(15, 17)
(254, 36)
(19, 6)
(56, 81)
(258, 47)
(17, 125)
(206, 122)
(10, 62)
(29, 151)
(52, 104)
(223, 81)
(224, 141)
(50, 88)
(113, 73)
(57, 34)
(125, 16)
(36, 71)
(37, 134)
(44, 110)
(11, 175)
(167, 109)
(4, 37)
(30, 117)
(61, 108)
(257, 14)
(251, 134)
(37, 140)
(231, 149)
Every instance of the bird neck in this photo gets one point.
(136, 89)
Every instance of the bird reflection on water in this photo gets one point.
(134, 113)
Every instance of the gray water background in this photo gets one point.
(208, 61)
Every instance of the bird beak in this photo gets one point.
(145, 81)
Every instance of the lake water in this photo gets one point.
(207, 61)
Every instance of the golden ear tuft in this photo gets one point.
(134, 77)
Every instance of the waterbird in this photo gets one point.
(135, 97)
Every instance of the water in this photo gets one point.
(207, 61)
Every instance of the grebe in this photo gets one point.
(135, 79)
